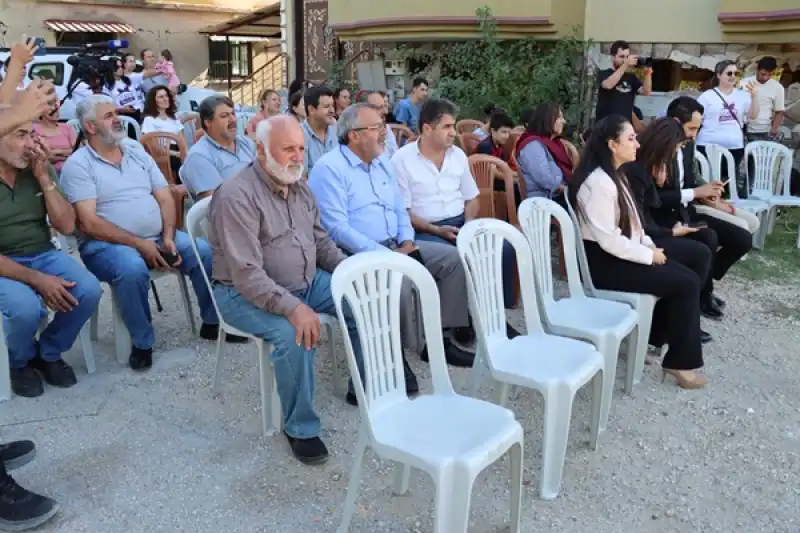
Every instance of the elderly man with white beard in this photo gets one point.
(272, 264)
(126, 216)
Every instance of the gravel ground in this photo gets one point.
(158, 452)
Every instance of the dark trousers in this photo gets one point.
(738, 155)
(733, 243)
(693, 254)
(509, 259)
(676, 318)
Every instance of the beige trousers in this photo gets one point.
(743, 219)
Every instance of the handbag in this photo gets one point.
(732, 111)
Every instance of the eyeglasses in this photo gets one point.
(731, 73)
(374, 127)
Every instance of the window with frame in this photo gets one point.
(240, 64)
(48, 71)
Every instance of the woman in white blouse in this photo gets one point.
(159, 112)
(623, 258)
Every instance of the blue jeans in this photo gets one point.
(129, 276)
(509, 258)
(22, 309)
(294, 365)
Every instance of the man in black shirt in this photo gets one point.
(618, 87)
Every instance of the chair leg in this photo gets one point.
(610, 349)
(187, 303)
(597, 403)
(479, 372)
(88, 351)
(5, 370)
(637, 346)
(270, 401)
(502, 394)
(159, 307)
(402, 473)
(93, 326)
(453, 497)
(558, 412)
(515, 454)
(218, 364)
(355, 481)
(334, 355)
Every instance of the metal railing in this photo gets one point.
(237, 68)
(268, 76)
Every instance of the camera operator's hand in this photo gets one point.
(631, 60)
(22, 53)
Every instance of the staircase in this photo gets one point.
(268, 76)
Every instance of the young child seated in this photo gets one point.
(166, 67)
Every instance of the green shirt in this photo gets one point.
(23, 217)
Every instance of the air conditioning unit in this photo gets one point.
(394, 67)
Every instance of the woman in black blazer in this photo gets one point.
(659, 143)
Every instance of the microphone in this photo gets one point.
(114, 44)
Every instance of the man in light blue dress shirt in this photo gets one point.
(362, 209)
(220, 153)
(319, 127)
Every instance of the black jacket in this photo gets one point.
(671, 209)
(645, 194)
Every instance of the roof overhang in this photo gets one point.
(87, 26)
(264, 22)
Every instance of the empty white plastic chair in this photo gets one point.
(604, 323)
(773, 175)
(75, 124)
(128, 121)
(644, 304)
(555, 366)
(758, 204)
(271, 413)
(451, 437)
(705, 168)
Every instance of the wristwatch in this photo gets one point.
(50, 188)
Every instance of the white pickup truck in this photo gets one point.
(54, 60)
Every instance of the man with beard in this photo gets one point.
(387, 138)
(363, 209)
(126, 216)
(32, 273)
(272, 271)
(220, 153)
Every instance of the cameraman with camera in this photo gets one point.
(618, 87)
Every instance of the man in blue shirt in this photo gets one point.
(319, 127)
(407, 110)
(363, 210)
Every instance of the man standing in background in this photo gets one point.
(618, 87)
(406, 111)
(770, 101)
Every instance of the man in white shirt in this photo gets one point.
(437, 185)
(771, 106)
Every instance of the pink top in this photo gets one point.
(63, 140)
(167, 68)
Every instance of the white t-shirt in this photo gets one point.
(81, 92)
(770, 100)
(125, 95)
(719, 125)
(168, 125)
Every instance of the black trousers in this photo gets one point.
(676, 319)
(693, 254)
(733, 243)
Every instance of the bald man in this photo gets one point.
(272, 264)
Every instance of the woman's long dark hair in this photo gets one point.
(110, 80)
(657, 145)
(596, 154)
(151, 107)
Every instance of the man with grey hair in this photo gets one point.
(272, 271)
(362, 208)
(221, 153)
(126, 216)
(388, 140)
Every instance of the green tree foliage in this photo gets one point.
(512, 74)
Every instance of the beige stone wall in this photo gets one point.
(158, 27)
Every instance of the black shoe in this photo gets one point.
(512, 332)
(141, 359)
(17, 453)
(453, 355)
(412, 387)
(57, 373)
(705, 337)
(463, 336)
(26, 382)
(710, 310)
(719, 301)
(20, 509)
(210, 332)
(308, 451)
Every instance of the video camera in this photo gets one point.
(92, 64)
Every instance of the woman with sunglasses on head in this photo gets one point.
(726, 111)
(623, 258)
(653, 171)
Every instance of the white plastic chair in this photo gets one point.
(644, 304)
(555, 366)
(773, 175)
(705, 167)
(757, 204)
(242, 120)
(75, 124)
(128, 121)
(271, 412)
(604, 323)
(122, 338)
(5, 370)
(451, 437)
